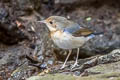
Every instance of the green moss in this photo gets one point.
(108, 76)
(53, 77)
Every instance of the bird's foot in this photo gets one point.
(74, 65)
(63, 66)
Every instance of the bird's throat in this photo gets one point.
(56, 33)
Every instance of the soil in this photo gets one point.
(36, 50)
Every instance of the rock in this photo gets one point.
(10, 33)
(106, 68)
(72, 1)
(108, 76)
(10, 59)
(28, 5)
(52, 77)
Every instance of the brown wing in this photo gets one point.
(82, 32)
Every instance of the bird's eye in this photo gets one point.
(51, 22)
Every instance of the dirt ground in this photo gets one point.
(38, 52)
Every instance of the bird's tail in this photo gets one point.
(95, 34)
(98, 33)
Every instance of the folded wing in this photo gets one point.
(77, 31)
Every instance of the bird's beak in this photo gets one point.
(43, 21)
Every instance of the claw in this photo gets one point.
(63, 66)
(74, 65)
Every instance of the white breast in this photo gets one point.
(67, 41)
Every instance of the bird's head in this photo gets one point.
(55, 23)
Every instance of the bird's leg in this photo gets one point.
(76, 62)
(63, 66)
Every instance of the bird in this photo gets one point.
(68, 35)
